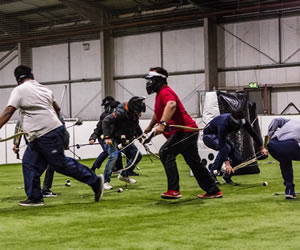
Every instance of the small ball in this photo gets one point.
(120, 190)
(265, 183)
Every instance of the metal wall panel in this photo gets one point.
(250, 43)
(85, 63)
(7, 67)
(50, 63)
(290, 39)
(86, 100)
(136, 54)
(183, 49)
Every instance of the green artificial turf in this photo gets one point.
(247, 217)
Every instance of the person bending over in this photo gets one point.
(169, 110)
(216, 137)
(284, 146)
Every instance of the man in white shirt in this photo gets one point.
(39, 118)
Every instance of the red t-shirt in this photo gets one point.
(180, 116)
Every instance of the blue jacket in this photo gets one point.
(222, 126)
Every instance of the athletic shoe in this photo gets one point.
(133, 174)
(48, 193)
(290, 196)
(171, 194)
(126, 179)
(98, 188)
(208, 196)
(227, 179)
(107, 186)
(31, 203)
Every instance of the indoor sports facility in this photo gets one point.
(216, 52)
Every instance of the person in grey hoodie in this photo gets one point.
(284, 146)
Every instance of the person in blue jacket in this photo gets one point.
(216, 137)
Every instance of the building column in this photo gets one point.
(107, 63)
(211, 54)
(24, 54)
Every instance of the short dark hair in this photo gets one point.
(160, 70)
(22, 72)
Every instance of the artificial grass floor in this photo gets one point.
(247, 217)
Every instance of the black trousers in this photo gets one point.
(48, 180)
(185, 144)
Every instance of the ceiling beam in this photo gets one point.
(10, 25)
(200, 6)
(39, 10)
(88, 9)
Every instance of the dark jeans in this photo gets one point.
(211, 141)
(45, 150)
(103, 155)
(185, 144)
(285, 152)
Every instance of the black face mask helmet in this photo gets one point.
(237, 119)
(22, 72)
(156, 78)
(107, 102)
(136, 105)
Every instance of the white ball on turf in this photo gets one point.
(120, 190)
(265, 183)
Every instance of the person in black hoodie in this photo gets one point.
(120, 128)
(109, 104)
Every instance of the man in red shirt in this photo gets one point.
(168, 110)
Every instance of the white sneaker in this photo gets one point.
(107, 186)
(126, 179)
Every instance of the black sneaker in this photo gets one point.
(48, 193)
(133, 174)
(290, 196)
(31, 203)
(98, 188)
(227, 179)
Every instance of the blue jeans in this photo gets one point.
(132, 155)
(102, 156)
(234, 155)
(131, 152)
(285, 152)
(49, 149)
(111, 162)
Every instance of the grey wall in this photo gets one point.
(74, 71)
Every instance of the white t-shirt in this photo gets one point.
(35, 102)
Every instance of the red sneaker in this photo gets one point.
(171, 194)
(207, 196)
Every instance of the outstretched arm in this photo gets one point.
(6, 115)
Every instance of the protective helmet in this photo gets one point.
(156, 78)
(237, 114)
(136, 104)
(22, 72)
(107, 100)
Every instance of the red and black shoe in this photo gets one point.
(209, 196)
(171, 194)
